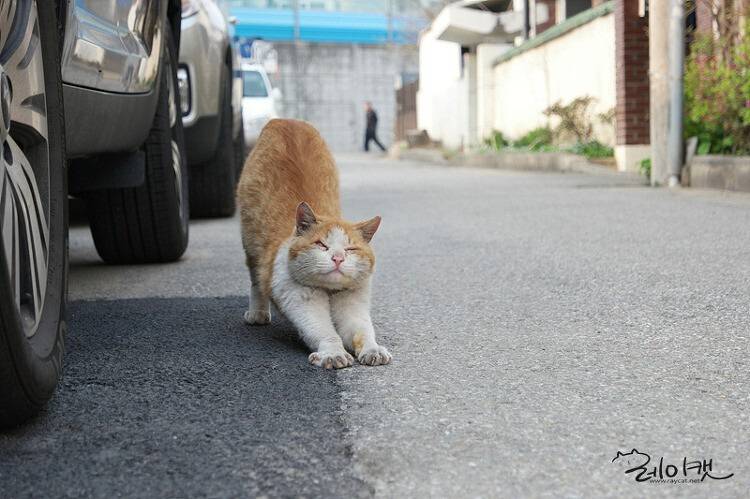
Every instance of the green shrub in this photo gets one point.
(541, 140)
(593, 149)
(717, 94)
(496, 141)
(538, 139)
(645, 168)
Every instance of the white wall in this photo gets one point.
(443, 97)
(486, 55)
(578, 63)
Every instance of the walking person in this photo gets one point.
(372, 126)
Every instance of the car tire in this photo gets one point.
(149, 223)
(212, 183)
(240, 152)
(33, 216)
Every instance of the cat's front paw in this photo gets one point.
(257, 317)
(336, 359)
(375, 356)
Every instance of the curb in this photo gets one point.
(725, 173)
(551, 162)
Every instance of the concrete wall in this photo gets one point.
(578, 63)
(443, 95)
(327, 85)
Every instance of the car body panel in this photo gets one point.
(113, 46)
(205, 50)
(110, 66)
(100, 122)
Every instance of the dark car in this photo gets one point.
(88, 104)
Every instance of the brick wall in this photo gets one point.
(631, 63)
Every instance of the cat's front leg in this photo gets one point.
(351, 314)
(309, 310)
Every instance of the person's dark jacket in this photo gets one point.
(372, 120)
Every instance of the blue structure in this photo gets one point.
(324, 26)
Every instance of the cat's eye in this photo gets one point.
(321, 245)
(351, 248)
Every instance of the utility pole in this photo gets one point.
(658, 52)
(676, 69)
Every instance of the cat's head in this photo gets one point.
(331, 254)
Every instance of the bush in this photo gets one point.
(539, 139)
(496, 141)
(593, 149)
(645, 168)
(717, 94)
(574, 120)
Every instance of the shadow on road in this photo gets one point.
(177, 397)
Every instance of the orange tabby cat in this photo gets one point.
(313, 265)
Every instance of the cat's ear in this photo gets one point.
(305, 218)
(368, 228)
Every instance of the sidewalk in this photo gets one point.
(523, 161)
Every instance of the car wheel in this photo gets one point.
(33, 210)
(212, 183)
(149, 223)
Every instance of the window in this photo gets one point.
(573, 7)
(253, 84)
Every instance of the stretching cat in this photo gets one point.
(314, 266)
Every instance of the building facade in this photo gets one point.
(507, 75)
(329, 57)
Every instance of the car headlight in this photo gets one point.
(190, 8)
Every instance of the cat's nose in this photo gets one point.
(337, 259)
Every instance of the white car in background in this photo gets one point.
(259, 101)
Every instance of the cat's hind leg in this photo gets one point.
(258, 311)
(351, 315)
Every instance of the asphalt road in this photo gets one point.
(539, 323)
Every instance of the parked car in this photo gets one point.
(211, 111)
(259, 101)
(113, 63)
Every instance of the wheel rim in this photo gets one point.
(174, 115)
(24, 161)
